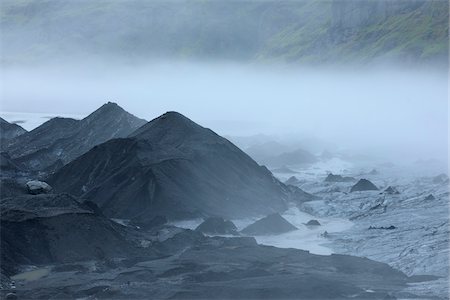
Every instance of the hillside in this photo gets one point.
(330, 31)
(174, 167)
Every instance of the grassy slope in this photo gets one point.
(289, 31)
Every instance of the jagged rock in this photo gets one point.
(338, 178)
(313, 223)
(272, 224)
(217, 225)
(173, 167)
(36, 187)
(64, 139)
(430, 197)
(363, 185)
(391, 190)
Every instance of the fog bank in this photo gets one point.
(401, 114)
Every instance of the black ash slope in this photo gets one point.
(9, 131)
(173, 167)
(60, 140)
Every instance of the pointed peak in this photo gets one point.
(171, 126)
(109, 109)
(110, 106)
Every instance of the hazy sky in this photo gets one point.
(393, 111)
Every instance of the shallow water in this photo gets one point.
(305, 238)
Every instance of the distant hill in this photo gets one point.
(304, 31)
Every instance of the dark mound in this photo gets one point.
(217, 225)
(338, 178)
(55, 229)
(175, 168)
(430, 197)
(8, 131)
(313, 223)
(272, 224)
(363, 185)
(391, 191)
(64, 139)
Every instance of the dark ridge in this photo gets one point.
(9, 131)
(60, 140)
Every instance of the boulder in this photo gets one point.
(217, 225)
(36, 187)
(363, 185)
(313, 223)
(272, 224)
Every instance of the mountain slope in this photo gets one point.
(304, 31)
(9, 131)
(174, 167)
(60, 140)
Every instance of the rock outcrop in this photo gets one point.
(270, 225)
(363, 185)
(217, 226)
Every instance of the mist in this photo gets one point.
(395, 113)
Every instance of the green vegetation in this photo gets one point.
(304, 31)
